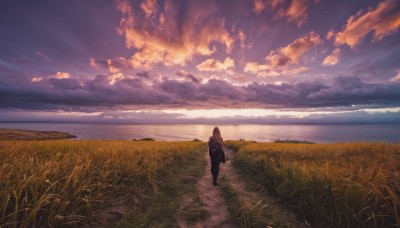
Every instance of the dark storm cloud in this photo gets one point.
(179, 89)
(217, 89)
(188, 76)
(143, 74)
(352, 91)
(111, 92)
(112, 65)
(65, 84)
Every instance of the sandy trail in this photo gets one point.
(213, 202)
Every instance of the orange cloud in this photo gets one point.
(330, 35)
(114, 78)
(242, 38)
(61, 75)
(276, 3)
(294, 51)
(259, 6)
(281, 61)
(124, 7)
(215, 65)
(111, 67)
(92, 62)
(264, 70)
(397, 77)
(332, 59)
(254, 67)
(36, 79)
(295, 11)
(382, 21)
(170, 39)
(149, 7)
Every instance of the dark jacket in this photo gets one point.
(215, 150)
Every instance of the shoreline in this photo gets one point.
(17, 134)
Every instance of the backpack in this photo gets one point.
(215, 150)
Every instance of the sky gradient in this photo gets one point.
(193, 60)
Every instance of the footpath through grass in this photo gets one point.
(258, 215)
(336, 185)
(70, 183)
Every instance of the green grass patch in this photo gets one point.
(144, 139)
(194, 211)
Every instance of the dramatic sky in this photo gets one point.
(194, 60)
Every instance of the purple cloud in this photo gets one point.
(101, 92)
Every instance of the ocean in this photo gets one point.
(318, 133)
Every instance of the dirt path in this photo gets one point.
(213, 200)
(214, 203)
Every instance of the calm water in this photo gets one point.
(266, 133)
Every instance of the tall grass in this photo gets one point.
(339, 185)
(255, 215)
(53, 183)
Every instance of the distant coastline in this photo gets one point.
(17, 134)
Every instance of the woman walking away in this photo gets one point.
(216, 153)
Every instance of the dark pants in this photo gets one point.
(214, 167)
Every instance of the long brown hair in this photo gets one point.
(216, 134)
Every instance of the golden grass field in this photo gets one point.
(336, 185)
(140, 183)
(61, 182)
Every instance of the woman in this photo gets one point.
(216, 153)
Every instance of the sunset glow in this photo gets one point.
(169, 60)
